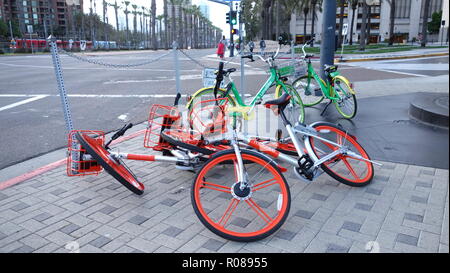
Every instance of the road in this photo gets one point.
(103, 98)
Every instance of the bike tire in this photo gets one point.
(296, 100)
(346, 105)
(117, 170)
(203, 189)
(337, 171)
(307, 91)
(177, 137)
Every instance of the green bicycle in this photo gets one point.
(294, 111)
(313, 89)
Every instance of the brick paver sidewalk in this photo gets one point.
(405, 209)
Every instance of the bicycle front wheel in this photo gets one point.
(237, 213)
(307, 88)
(294, 111)
(346, 102)
(344, 168)
(114, 166)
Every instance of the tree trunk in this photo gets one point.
(305, 12)
(166, 26)
(153, 24)
(369, 14)
(363, 31)
(352, 24)
(392, 23)
(426, 9)
(174, 23)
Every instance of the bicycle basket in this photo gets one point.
(209, 117)
(286, 71)
(79, 162)
(161, 117)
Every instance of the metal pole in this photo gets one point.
(177, 66)
(60, 82)
(327, 46)
(241, 49)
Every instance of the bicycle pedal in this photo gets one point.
(301, 177)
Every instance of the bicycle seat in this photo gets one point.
(309, 55)
(281, 101)
(330, 68)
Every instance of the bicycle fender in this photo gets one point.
(199, 91)
(344, 79)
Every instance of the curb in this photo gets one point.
(391, 58)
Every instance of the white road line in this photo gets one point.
(12, 105)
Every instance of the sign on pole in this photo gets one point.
(30, 28)
(209, 78)
(344, 29)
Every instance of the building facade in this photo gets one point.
(44, 15)
(408, 20)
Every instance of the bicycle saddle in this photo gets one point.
(281, 101)
(330, 68)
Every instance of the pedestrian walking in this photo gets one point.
(251, 46)
(221, 48)
(262, 45)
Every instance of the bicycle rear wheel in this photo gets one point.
(344, 168)
(248, 214)
(112, 165)
(306, 87)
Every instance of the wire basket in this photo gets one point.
(161, 117)
(79, 162)
(291, 69)
(209, 117)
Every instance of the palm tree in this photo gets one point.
(196, 13)
(426, 10)
(160, 19)
(116, 7)
(305, 6)
(126, 11)
(391, 22)
(134, 18)
(314, 4)
(354, 4)
(166, 26)
(362, 39)
(153, 24)
(174, 23)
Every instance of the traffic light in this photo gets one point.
(234, 31)
(234, 17)
(228, 17)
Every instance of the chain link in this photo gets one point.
(91, 61)
(192, 59)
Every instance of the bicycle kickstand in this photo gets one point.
(326, 107)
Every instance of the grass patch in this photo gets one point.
(370, 49)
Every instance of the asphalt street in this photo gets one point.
(103, 98)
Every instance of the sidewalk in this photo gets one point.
(404, 209)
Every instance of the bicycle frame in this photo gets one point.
(273, 79)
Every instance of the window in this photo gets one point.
(402, 9)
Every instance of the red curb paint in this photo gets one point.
(51, 166)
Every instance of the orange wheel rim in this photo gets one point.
(232, 204)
